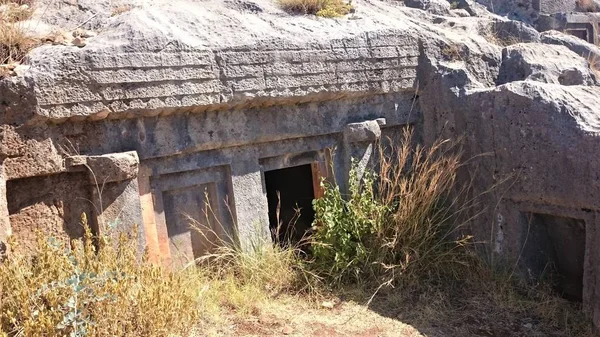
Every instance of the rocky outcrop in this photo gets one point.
(548, 64)
(582, 48)
(172, 103)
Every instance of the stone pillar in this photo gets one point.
(115, 192)
(251, 211)
(149, 216)
(359, 144)
(5, 229)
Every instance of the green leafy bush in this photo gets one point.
(398, 223)
(341, 243)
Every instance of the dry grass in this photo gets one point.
(587, 5)
(80, 290)
(121, 9)
(14, 12)
(500, 39)
(452, 52)
(323, 8)
(14, 42)
(594, 63)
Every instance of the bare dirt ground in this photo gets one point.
(433, 314)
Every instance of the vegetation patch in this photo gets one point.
(398, 223)
(587, 5)
(594, 63)
(14, 41)
(323, 8)
(81, 289)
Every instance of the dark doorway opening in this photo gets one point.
(291, 190)
(556, 249)
(580, 33)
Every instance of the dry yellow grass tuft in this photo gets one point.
(14, 42)
(94, 287)
(587, 5)
(323, 8)
(121, 9)
(452, 52)
(14, 12)
(594, 63)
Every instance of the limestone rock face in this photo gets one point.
(179, 100)
(514, 31)
(543, 63)
(579, 46)
(438, 7)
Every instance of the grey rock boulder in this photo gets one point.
(473, 8)
(544, 63)
(577, 45)
(437, 7)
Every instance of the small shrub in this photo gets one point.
(587, 5)
(323, 8)
(14, 12)
(14, 43)
(452, 52)
(397, 225)
(80, 290)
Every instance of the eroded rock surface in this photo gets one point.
(548, 64)
(179, 107)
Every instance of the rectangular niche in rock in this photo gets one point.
(52, 204)
(290, 193)
(555, 248)
(191, 223)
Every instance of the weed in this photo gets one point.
(14, 42)
(323, 8)
(13, 12)
(501, 38)
(274, 265)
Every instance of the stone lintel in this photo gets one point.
(106, 168)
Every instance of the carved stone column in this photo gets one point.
(5, 229)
